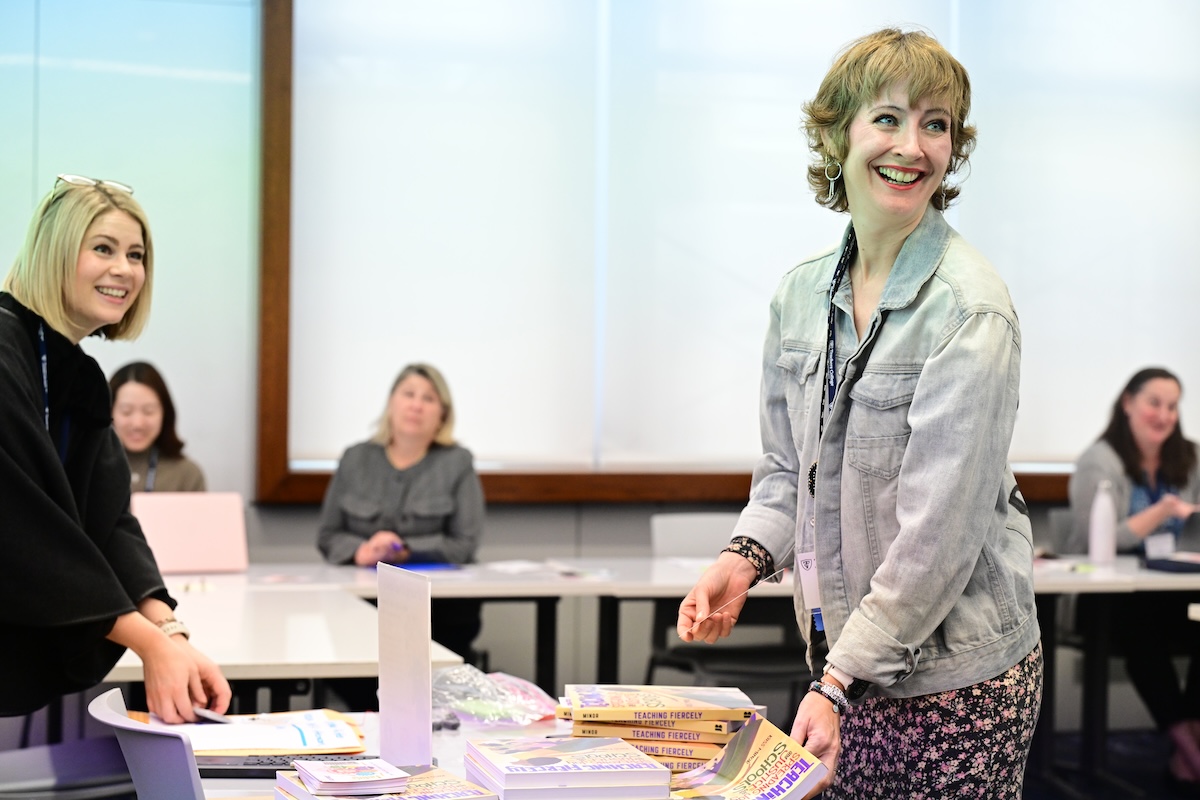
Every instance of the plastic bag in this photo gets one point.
(493, 698)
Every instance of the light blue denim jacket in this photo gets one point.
(922, 541)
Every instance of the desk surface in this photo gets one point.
(320, 632)
(449, 748)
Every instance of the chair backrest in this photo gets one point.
(1063, 540)
(159, 759)
(700, 534)
(194, 531)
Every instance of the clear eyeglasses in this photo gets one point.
(81, 180)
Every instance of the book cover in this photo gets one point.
(288, 783)
(760, 761)
(616, 729)
(701, 750)
(355, 777)
(568, 792)
(635, 704)
(435, 783)
(564, 763)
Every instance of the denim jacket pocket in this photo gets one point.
(879, 405)
(801, 367)
(880, 456)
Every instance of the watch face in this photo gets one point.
(857, 689)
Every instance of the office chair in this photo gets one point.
(81, 769)
(771, 665)
(160, 759)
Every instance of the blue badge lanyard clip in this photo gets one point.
(66, 422)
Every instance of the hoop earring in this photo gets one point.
(832, 179)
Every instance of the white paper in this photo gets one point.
(1160, 545)
(313, 736)
(405, 680)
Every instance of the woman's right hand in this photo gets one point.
(173, 683)
(722, 586)
(384, 546)
(1177, 508)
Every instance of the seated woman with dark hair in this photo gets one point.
(144, 419)
(1155, 479)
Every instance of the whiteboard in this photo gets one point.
(579, 211)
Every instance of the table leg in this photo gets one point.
(1097, 647)
(608, 640)
(547, 645)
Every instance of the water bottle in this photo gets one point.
(1102, 530)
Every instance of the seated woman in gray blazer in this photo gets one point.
(410, 495)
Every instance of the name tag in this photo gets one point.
(1160, 545)
(810, 587)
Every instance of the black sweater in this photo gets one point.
(73, 557)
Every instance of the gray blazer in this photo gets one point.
(1100, 462)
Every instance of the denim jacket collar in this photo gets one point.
(919, 258)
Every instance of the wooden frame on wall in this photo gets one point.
(277, 483)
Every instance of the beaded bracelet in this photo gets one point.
(831, 693)
(753, 552)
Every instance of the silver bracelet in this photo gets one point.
(831, 693)
(171, 626)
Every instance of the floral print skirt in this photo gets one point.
(965, 743)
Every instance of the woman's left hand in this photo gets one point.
(818, 727)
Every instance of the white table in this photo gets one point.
(449, 748)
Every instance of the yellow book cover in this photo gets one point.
(635, 704)
(760, 761)
(625, 731)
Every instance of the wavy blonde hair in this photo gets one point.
(46, 264)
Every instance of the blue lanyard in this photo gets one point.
(62, 444)
(151, 470)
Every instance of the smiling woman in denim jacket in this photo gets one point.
(889, 392)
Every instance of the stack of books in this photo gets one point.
(424, 783)
(681, 727)
(566, 769)
(358, 778)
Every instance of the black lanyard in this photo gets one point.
(66, 422)
(831, 381)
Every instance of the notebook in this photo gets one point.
(192, 532)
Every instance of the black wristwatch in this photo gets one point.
(855, 687)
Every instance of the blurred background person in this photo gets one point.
(1155, 482)
(410, 495)
(144, 419)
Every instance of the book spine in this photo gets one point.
(646, 714)
(653, 734)
(703, 751)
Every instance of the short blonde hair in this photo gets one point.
(861, 73)
(445, 434)
(47, 262)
